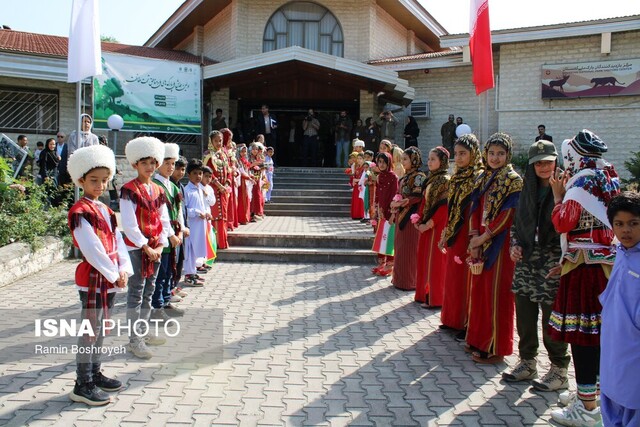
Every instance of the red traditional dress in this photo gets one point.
(219, 164)
(244, 214)
(386, 189)
(411, 187)
(357, 203)
(431, 271)
(457, 281)
(492, 302)
(257, 196)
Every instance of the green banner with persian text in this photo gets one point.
(151, 95)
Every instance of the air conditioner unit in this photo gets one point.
(420, 109)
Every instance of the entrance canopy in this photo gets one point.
(295, 73)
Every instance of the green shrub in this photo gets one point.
(633, 166)
(27, 216)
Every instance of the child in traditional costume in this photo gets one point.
(198, 213)
(407, 201)
(104, 270)
(218, 161)
(244, 190)
(386, 189)
(430, 221)
(147, 227)
(582, 195)
(161, 300)
(269, 167)
(491, 306)
(357, 203)
(455, 238)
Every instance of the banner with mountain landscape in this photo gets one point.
(151, 95)
(591, 79)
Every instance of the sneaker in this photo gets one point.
(525, 370)
(90, 394)
(575, 415)
(154, 340)
(140, 350)
(192, 282)
(159, 314)
(567, 397)
(173, 311)
(175, 298)
(555, 379)
(106, 383)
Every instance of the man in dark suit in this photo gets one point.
(542, 134)
(266, 125)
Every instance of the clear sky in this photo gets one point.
(134, 21)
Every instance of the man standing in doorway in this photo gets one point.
(218, 121)
(448, 133)
(387, 123)
(310, 125)
(266, 125)
(342, 134)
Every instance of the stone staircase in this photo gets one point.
(307, 221)
(310, 192)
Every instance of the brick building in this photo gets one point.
(363, 56)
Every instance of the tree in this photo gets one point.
(109, 39)
(113, 89)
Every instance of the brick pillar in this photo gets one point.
(368, 105)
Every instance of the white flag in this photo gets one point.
(84, 41)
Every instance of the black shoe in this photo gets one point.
(173, 311)
(462, 335)
(105, 383)
(90, 394)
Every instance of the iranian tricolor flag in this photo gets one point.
(480, 46)
(383, 243)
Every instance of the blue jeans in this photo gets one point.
(162, 293)
(88, 362)
(342, 153)
(139, 293)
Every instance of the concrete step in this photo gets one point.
(292, 241)
(304, 206)
(311, 192)
(284, 180)
(314, 200)
(296, 255)
(344, 185)
(301, 170)
(307, 212)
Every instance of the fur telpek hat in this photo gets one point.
(86, 158)
(171, 151)
(143, 147)
(358, 143)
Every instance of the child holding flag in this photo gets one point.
(386, 188)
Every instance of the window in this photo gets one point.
(28, 110)
(304, 24)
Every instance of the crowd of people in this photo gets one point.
(491, 249)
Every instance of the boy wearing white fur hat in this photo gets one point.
(146, 226)
(104, 270)
(161, 300)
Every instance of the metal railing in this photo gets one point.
(28, 111)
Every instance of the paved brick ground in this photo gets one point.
(317, 345)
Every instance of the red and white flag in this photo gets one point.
(84, 56)
(480, 46)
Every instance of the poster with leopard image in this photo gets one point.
(591, 79)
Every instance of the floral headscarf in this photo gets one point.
(437, 186)
(415, 155)
(461, 187)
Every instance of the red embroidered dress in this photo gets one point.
(219, 164)
(357, 203)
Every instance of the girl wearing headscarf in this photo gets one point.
(535, 247)
(431, 219)
(396, 155)
(455, 238)
(582, 195)
(244, 192)
(405, 204)
(221, 182)
(386, 189)
(411, 132)
(491, 303)
(232, 202)
(357, 202)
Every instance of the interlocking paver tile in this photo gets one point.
(322, 345)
